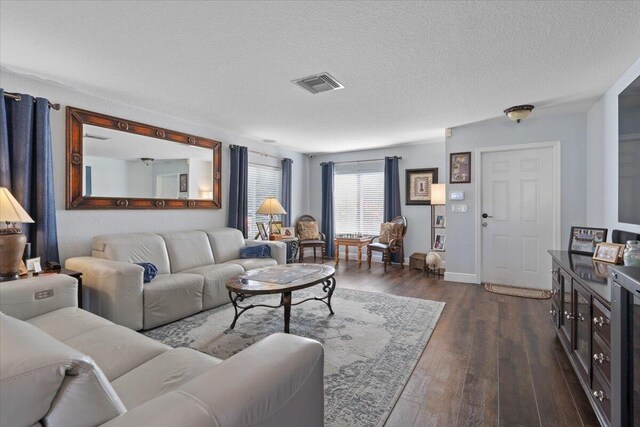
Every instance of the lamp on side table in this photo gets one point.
(271, 206)
(12, 241)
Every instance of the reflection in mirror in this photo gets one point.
(122, 164)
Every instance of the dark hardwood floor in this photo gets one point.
(492, 360)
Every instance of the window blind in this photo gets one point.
(264, 181)
(359, 200)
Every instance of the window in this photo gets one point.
(264, 181)
(359, 198)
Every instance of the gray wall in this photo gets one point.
(569, 129)
(426, 155)
(602, 180)
(77, 227)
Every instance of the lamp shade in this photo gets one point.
(10, 209)
(438, 194)
(271, 206)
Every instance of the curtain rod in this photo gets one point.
(18, 98)
(359, 161)
(260, 154)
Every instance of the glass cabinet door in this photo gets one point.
(566, 310)
(582, 320)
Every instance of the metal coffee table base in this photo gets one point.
(328, 286)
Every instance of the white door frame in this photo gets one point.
(557, 200)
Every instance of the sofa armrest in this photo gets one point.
(27, 298)
(114, 287)
(275, 382)
(278, 249)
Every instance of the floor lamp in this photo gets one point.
(438, 198)
(271, 206)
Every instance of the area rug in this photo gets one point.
(514, 291)
(372, 344)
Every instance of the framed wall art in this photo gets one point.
(418, 185)
(460, 168)
(583, 240)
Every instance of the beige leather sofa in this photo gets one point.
(192, 269)
(61, 366)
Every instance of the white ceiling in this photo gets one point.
(410, 68)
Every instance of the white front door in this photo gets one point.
(518, 202)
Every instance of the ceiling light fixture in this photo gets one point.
(269, 141)
(147, 160)
(518, 112)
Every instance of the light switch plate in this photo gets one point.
(457, 207)
(456, 195)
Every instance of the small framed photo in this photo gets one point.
(418, 185)
(184, 183)
(439, 222)
(31, 263)
(262, 230)
(288, 232)
(438, 243)
(460, 168)
(37, 268)
(608, 252)
(583, 240)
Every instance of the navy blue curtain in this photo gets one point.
(286, 191)
(391, 192)
(238, 178)
(26, 169)
(328, 229)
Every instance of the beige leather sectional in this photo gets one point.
(192, 269)
(61, 366)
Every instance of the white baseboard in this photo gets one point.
(450, 276)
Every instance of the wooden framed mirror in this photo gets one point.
(114, 163)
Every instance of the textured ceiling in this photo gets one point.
(410, 68)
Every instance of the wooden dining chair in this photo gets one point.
(391, 244)
(306, 226)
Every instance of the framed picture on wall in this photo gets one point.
(460, 168)
(184, 182)
(418, 185)
(438, 243)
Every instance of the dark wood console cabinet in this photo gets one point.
(581, 315)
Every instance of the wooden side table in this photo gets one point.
(358, 242)
(76, 274)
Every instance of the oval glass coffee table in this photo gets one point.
(280, 279)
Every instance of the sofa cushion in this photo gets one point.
(42, 379)
(253, 263)
(162, 374)
(226, 243)
(171, 297)
(215, 276)
(116, 349)
(188, 249)
(133, 247)
(66, 323)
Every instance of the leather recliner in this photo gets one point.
(63, 366)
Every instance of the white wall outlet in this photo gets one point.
(457, 207)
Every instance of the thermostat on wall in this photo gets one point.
(456, 195)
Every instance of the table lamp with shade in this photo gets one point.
(271, 206)
(12, 241)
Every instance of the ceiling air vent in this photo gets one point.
(317, 83)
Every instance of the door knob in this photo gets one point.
(486, 215)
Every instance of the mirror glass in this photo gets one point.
(123, 164)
